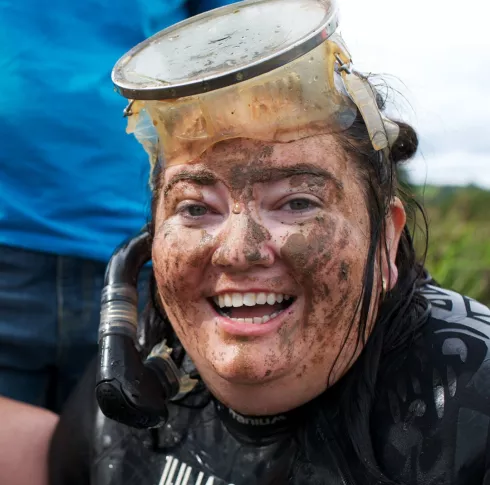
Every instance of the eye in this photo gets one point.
(193, 210)
(299, 205)
(197, 210)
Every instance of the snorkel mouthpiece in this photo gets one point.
(129, 390)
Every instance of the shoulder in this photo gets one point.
(457, 337)
(449, 306)
(432, 416)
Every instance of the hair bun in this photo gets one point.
(405, 145)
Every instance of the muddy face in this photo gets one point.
(284, 227)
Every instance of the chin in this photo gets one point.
(244, 361)
(243, 372)
(246, 371)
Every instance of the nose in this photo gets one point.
(244, 243)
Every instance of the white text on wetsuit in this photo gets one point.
(179, 473)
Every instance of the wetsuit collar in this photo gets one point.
(262, 429)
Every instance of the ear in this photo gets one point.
(395, 222)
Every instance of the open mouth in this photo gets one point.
(257, 308)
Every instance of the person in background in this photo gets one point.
(72, 185)
(24, 443)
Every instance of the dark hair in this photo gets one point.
(401, 311)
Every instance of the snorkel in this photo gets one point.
(129, 390)
(271, 70)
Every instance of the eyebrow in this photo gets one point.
(273, 174)
(202, 177)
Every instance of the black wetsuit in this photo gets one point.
(430, 424)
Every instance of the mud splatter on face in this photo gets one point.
(253, 256)
(317, 260)
(266, 152)
(257, 233)
(344, 271)
(312, 257)
(345, 234)
(308, 181)
(261, 172)
(294, 252)
(205, 241)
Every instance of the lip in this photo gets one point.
(253, 329)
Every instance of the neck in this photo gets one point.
(265, 399)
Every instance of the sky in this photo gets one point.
(436, 55)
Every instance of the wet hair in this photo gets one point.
(401, 311)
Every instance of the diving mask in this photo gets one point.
(270, 70)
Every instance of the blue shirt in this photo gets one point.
(72, 182)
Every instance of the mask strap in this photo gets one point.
(382, 131)
(141, 126)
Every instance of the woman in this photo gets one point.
(284, 279)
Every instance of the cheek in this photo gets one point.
(322, 252)
(178, 255)
(327, 260)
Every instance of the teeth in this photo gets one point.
(249, 299)
(255, 320)
(237, 299)
(271, 298)
(228, 300)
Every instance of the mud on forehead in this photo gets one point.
(244, 161)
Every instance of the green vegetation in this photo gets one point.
(459, 238)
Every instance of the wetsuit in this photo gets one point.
(430, 424)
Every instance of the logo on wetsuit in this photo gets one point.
(179, 473)
(264, 421)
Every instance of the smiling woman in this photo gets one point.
(292, 336)
(255, 293)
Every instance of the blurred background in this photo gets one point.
(435, 56)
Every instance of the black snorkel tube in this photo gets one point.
(128, 389)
